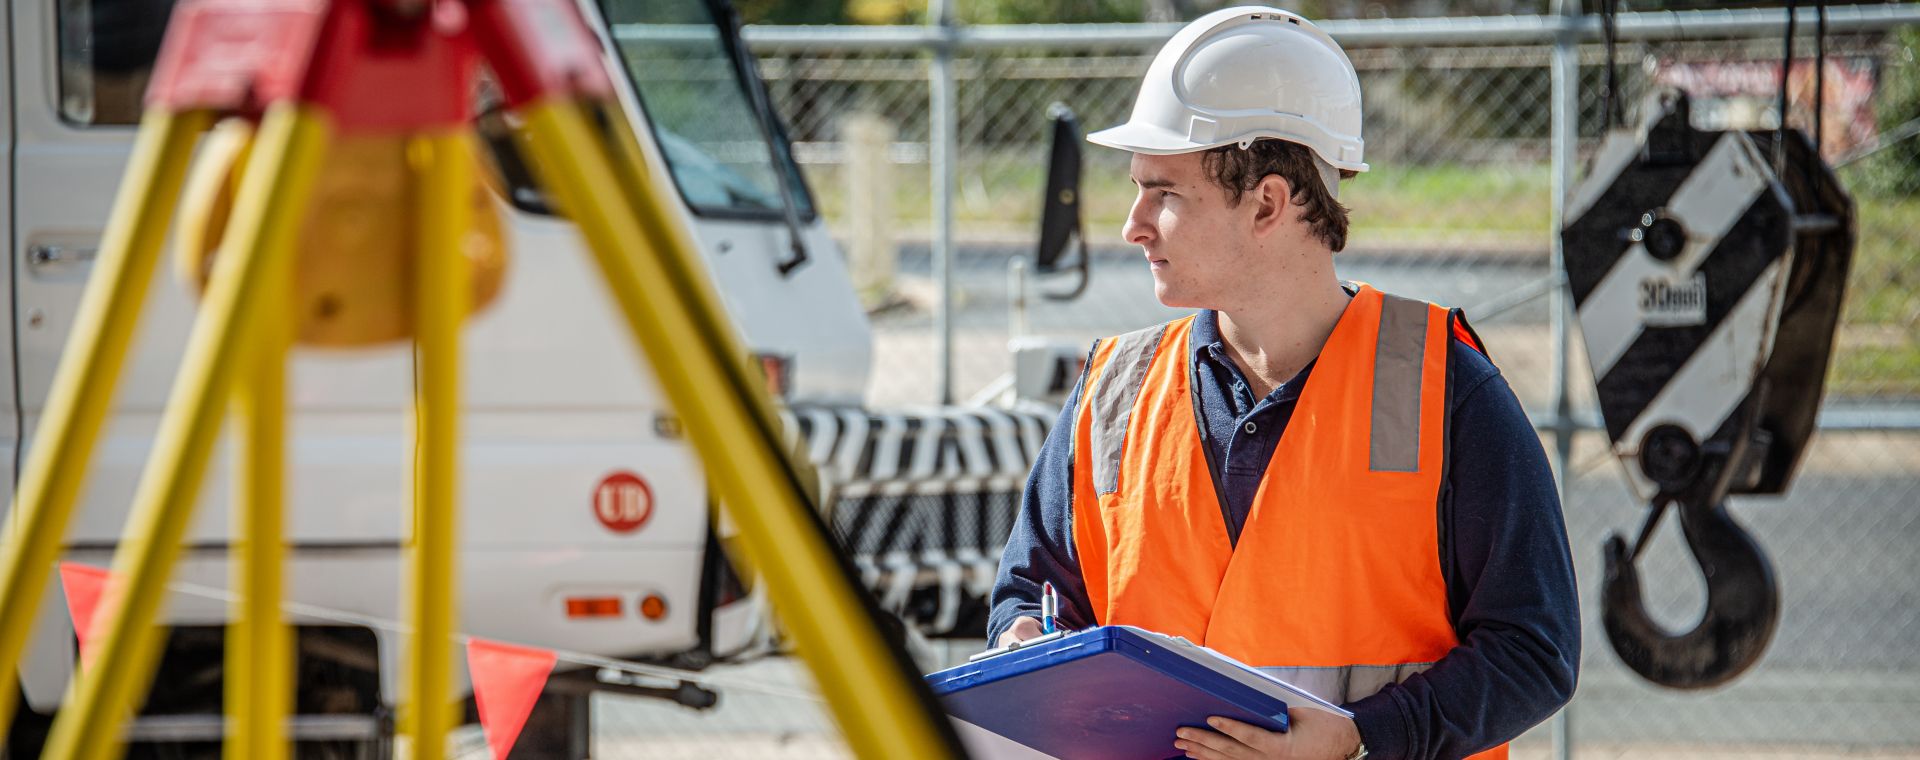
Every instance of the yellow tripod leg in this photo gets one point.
(259, 656)
(440, 167)
(268, 211)
(83, 387)
(650, 268)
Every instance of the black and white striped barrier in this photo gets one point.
(923, 499)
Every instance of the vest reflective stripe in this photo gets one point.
(1336, 575)
(1113, 398)
(1348, 682)
(1394, 436)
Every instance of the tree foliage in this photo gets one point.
(794, 11)
(1895, 171)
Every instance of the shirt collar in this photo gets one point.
(1204, 339)
(1206, 344)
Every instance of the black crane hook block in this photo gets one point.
(1707, 268)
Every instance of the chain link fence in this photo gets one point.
(1459, 138)
(1458, 209)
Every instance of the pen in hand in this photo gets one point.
(1049, 607)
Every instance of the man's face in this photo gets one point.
(1197, 243)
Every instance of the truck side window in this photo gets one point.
(106, 52)
(680, 57)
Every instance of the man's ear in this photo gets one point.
(1272, 204)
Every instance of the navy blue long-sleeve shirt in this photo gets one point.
(1503, 549)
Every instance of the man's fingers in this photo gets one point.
(1210, 744)
(1245, 733)
(1199, 752)
(1023, 628)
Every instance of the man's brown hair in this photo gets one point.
(1240, 170)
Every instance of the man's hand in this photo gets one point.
(1314, 735)
(1023, 628)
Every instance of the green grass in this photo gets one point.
(1879, 350)
(1886, 265)
(1452, 199)
(999, 195)
(1876, 372)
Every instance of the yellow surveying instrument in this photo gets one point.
(298, 85)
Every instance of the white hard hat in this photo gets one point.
(1239, 74)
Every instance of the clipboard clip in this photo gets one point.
(997, 651)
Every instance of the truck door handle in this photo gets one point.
(57, 256)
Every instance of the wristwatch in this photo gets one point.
(1358, 752)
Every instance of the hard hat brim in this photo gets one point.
(1160, 141)
(1147, 138)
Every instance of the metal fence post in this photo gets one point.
(941, 148)
(1566, 136)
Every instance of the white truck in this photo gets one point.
(576, 483)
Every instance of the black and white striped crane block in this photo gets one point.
(1707, 272)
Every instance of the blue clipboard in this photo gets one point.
(1109, 692)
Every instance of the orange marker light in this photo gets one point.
(653, 607)
(593, 606)
(776, 370)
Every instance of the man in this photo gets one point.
(1313, 478)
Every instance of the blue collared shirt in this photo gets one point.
(1503, 547)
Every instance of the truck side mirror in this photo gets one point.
(1060, 207)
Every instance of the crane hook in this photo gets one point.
(1743, 602)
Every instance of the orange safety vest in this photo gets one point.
(1335, 582)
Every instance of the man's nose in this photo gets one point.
(1137, 230)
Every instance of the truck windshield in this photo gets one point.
(680, 56)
